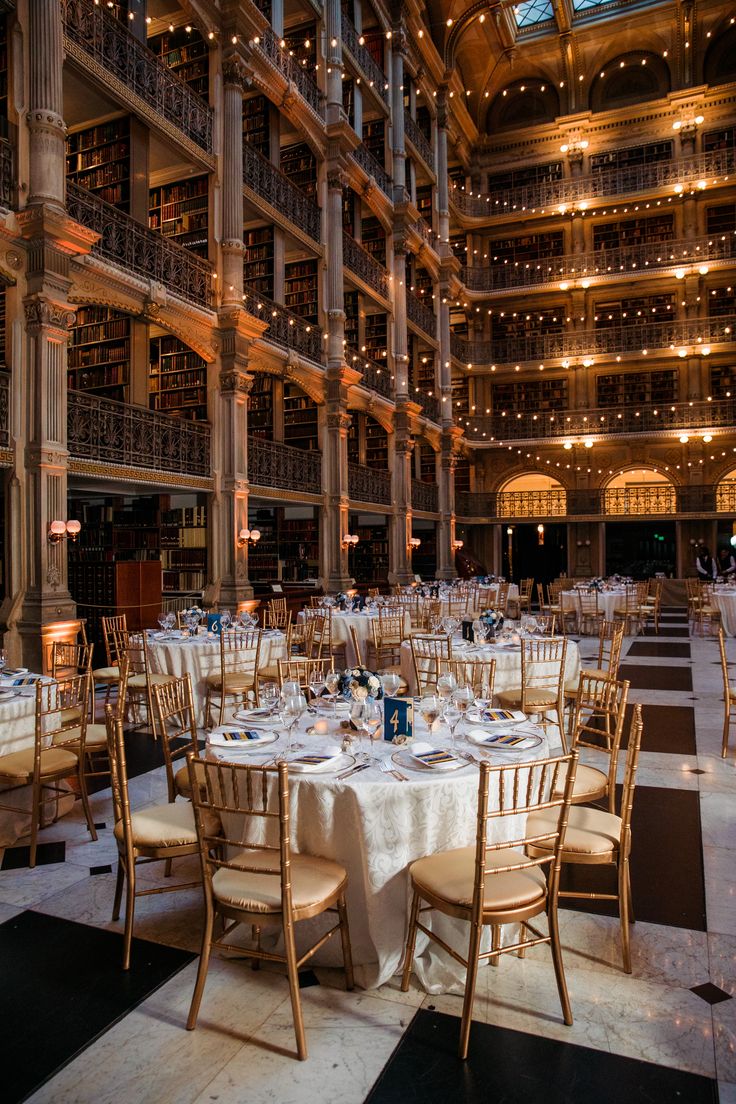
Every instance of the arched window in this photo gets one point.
(726, 494)
(531, 495)
(720, 60)
(639, 491)
(524, 103)
(629, 79)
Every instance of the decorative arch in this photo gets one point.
(528, 101)
(630, 78)
(639, 489)
(531, 493)
(459, 26)
(719, 66)
(726, 492)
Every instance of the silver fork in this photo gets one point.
(384, 765)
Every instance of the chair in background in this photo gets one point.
(526, 591)
(492, 884)
(542, 682)
(729, 693)
(141, 679)
(69, 659)
(387, 632)
(479, 674)
(109, 675)
(267, 886)
(276, 615)
(590, 615)
(651, 605)
(596, 837)
(177, 725)
(430, 656)
(237, 677)
(628, 611)
(303, 670)
(610, 643)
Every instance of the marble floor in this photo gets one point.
(666, 1032)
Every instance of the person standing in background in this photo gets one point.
(726, 562)
(705, 565)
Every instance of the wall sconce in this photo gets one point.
(414, 543)
(540, 534)
(60, 529)
(457, 545)
(248, 536)
(350, 540)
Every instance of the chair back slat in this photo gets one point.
(174, 702)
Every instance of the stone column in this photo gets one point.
(398, 149)
(335, 512)
(446, 527)
(401, 344)
(401, 520)
(444, 380)
(336, 181)
(443, 201)
(46, 129)
(233, 75)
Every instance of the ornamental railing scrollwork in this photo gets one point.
(101, 36)
(424, 496)
(6, 173)
(273, 464)
(363, 265)
(276, 188)
(419, 140)
(284, 327)
(430, 405)
(421, 314)
(269, 45)
(373, 167)
(364, 60)
(368, 484)
(120, 433)
(128, 244)
(660, 499)
(551, 503)
(4, 410)
(376, 377)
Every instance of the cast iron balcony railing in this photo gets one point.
(132, 436)
(269, 183)
(373, 167)
(376, 377)
(364, 60)
(707, 168)
(424, 496)
(269, 46)
(6, 173)
(419, 140)
(369, 484)
(135, 248)
(426, 232)
(4, 410)
(420, 314)
(628, 420)
(654, 499)
(91, 28)
(285, 328)
(365, 266)
(273, 464)
(693, 333)
(682, 253)
(430, 405)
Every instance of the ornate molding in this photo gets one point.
(233, 381)
(139, 475)
(337, 179)
(235, 72)
(42, 313)
(339, 420)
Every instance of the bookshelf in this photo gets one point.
(625, 388)
(98, 356)
(301, 293)
(724, 139)
(632, 156)
(3, 76)
(422, 372)
(352, 320)
(374, 139)
(376, 337)
(256, 124)
(530, 396)
(186, 53)
(177, 380)
(460, 394)
(527, 177)
(424, 121)
(722, 381)
(373, 238)
(367, 442)
(263, 559)
(374, 46)
(462, 474)
(184, 550)
(300, 419)
(458, 321)
(529, 247)
(289, 544)
(180, 211)
(640, 231)
(425, 205)
(258, 260)
(348, 211)
(348, 100)
(423, 285)
(427, 463)
(369, 558)
(721, 219)
(634, 312)
(459, 246)
(520, 324)
(301, 44)
(300, 165)
(98, 159)
(721, 302)
(260, 407)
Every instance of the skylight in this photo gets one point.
(586, 5)
(531, 12)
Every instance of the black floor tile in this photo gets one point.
(307, 978)
(656, 678)
(666, 649)
(710, 993)
(511, 1067)
(667, 879)
(667, 728)
(94, 870)
(62, 987)
(16, 858)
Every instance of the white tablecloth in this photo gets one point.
(361, 622)
(200, 657)
(508, 664)
(725, 600)
(608, 601)
(376, 827)
(17, 723)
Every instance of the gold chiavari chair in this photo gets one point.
(387, 632)
(598, 727)
(237, 677)
(610, 643)
(303, 670)
(109, 675)
(430, 655)
(141, 679)
(76, 659)
(590, 615)
(478, 674)
(628, 611)
(546, 623)
(71, 659)
(156, 833)
(542, 682)
(707, 614)
(492, 884)
(456, 606)
(729, 693)
(276, 615)
(597, 837)
(177, 723)
(324, 642)
(58, 751)
(263, 886)
(651, 606)
(526, 590)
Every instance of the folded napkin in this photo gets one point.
(493, 716)
(516, 741)
(224, 736)
(313, 762)
(23, 680)
(8, 671)
(437, 758)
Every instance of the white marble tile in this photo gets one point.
(7, 912)
(27, 888)
(726, 1092)
(724, 1037)
(720, 889)
(718, 819)
(722, 961)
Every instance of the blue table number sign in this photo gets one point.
(398, 718)
(214, 624)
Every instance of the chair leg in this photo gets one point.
(555, 947)
(129, 914)
(85, 800)
(296, 1004)
(630, 898)
(726, 729)
(204, 963)
(495, 942)
(476, 930)
(347, 954)
(35, 821)
(411, 941)
(623, 905)
(118, 890)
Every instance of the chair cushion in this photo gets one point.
(69, 715)
(106, 674)
(512, 698)
(313, 879)
(589, 831)
(96, 736)
(138, 682)
(449, 875)
(270, 671)
(181, 779)
(164, 826)
(235, 681)
(595, 672)
(590, 783)
(19, 764)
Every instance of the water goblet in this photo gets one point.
(170, 623)
(452, 717)
(268, 695)
(332, 685)
(370, 723)
(430, 709)
(446, 684)
(316, 682)
(463, 698)
(226, 619)
(291, 709)
(390, 683)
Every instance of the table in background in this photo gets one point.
(361, 622)
(724, 598)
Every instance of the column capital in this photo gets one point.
(234, 381)
(44, 313)
(235, 73)
(339, 419)
(337, 179)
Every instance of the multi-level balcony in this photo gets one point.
(424, 496)
(418, 139)
(6, 173)
(372, 167)
(264, 183)
(100, 44)
(430, 405)
(369, 484)
(603, 266)
(697, 500)
(420, 314)
(128, 245)
(368, 68)
(273, 464)
(268, 46)
(651, 420)
(362, 264)
(551, 196)
(107, 432)
(649, 338)
(375, 376)
(284, 328)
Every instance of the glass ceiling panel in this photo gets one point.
(530, 12)
(585, 5)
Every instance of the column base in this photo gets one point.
(400, 578)
(445, 573)
(336, 584)
(232, 594)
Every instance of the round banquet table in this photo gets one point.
(199, 656)
(361, 621)
(487, 595)
(724, 598)
(376, 826)
(608, 601)
(508, 663)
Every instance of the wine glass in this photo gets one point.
(162, 619)
(332, 685)
(391, 683)
(316, 682)
(291, 709)
(452, 716)
(477, 630)
(445, 686)
(170, 621)
(226, 619)
(268, 695)
(370, 723)
(463, 698)
(429, 707)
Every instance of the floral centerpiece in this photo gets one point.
(493, 620)
(595, 584)
(341, 600)
(359, 683)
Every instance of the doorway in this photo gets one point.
(641, 549)
(537, 550)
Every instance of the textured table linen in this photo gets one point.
(608, 601)
(724, 598)
(361, 622)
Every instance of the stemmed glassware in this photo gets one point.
(162, 619)
(452, 716)
(226, 620)
(268, 695)
(170, 622)
(391, 683)
(291, 708)
(446, 684)
(430, 709)
(370, 722)
(316, 683)
(463, 698)
(332, 685)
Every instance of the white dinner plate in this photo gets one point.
(256, 718)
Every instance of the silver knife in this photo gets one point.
(354, 770)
